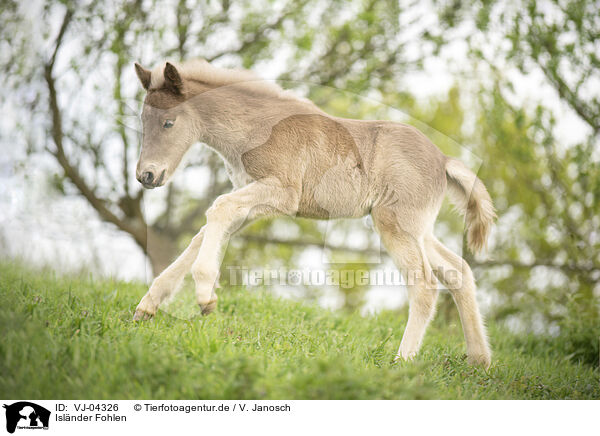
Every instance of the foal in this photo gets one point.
(285, 156)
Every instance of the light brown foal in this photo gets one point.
(285, 156)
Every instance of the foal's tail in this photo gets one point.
(472, 200)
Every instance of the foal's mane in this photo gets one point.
(201, 70)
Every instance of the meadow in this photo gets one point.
(72, 337)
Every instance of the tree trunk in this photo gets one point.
(161, 251)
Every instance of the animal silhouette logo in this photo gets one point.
(24, 414)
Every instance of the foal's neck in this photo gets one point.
(234, 119)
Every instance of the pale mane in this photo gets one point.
(202, 70)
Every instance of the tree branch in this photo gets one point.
(59, 38)
(305, 243)
(59, 153)
(256, 36)
(579, 106)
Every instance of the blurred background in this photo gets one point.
(512, 88)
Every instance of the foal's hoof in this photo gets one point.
(404, 356)
(141, 315)
(146, 309)
(483, 360)
(208, 307)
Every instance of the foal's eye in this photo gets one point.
(168, 124)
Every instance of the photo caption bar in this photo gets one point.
(91, 417)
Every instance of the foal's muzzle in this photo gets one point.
(149, 180)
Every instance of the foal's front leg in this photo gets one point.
(169, 280)
(227, 215)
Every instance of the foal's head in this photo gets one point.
(168, 126)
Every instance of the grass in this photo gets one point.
(73, 338)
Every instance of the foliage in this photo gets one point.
(86, 97)
(545, 182)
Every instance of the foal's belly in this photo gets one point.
(337, 193)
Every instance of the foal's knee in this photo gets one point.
(227, 214)
(221, 208)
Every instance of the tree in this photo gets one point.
(547, 190)
(91, 52)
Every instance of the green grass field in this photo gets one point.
(73, 338)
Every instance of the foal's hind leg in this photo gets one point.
(456, 275)
(408, 255)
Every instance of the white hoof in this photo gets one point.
(145, 310)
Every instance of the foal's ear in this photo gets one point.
(144, 75)
(173, 79)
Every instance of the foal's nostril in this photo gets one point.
(147, 178)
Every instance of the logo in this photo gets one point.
(26, 415)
